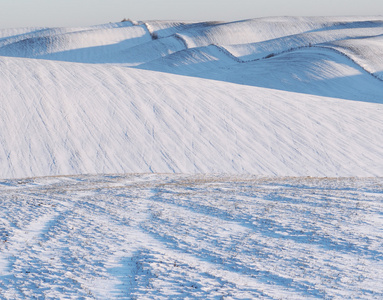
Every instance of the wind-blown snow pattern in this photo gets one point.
(255, 107)
(177, 236)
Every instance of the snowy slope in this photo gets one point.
(125, 42)
(307, 103)
(83, 45)
(330, 33)
(311, 70)
(367, 52)
(65, 118)
(195, 60)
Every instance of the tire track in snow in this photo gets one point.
(128, 236)
(23, 239)
(195, 254)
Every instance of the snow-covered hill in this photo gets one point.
(308, 103)
(65, 118)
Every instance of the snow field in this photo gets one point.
(177, 236)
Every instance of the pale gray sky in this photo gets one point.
(28, 13)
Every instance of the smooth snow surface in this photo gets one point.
(97, 119)
(172, 236)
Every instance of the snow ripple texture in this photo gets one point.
(178, 236)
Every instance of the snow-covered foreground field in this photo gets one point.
(177, 236)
